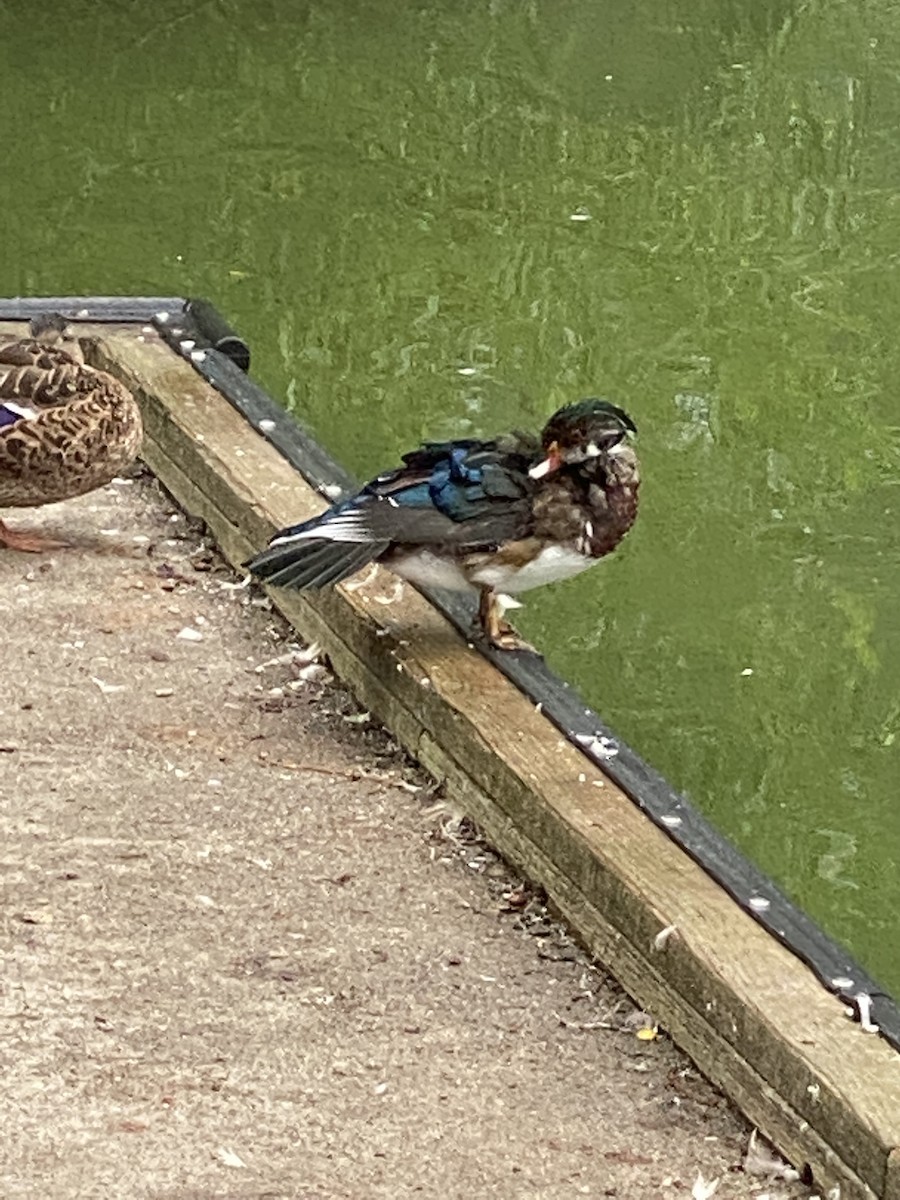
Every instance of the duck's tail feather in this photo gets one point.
(312, 562)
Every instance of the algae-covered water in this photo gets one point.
(450, 217)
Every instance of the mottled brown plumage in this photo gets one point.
(65, 428)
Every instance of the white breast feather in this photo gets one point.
(553, 563)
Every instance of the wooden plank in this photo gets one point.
(892, 1183)
(749, 1013)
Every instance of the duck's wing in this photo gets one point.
(453, 497)
(459, 496)
(63, 432)
(41, 388)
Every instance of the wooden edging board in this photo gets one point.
(749, 1013)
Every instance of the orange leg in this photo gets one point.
(497, 631)
(32, 542)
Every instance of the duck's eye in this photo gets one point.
(603, 444)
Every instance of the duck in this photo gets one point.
(65, 427)
(487, 518)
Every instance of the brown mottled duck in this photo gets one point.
(65, 428)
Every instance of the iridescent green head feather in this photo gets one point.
(587, 429)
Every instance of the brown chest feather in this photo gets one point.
(591, 514)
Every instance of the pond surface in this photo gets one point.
(449, 218)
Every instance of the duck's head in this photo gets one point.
(49, 328)
(588, 429)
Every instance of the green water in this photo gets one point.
(383, 197)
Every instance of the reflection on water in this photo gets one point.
(453, 218)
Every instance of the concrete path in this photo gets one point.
(247, 953)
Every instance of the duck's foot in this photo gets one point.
(32, 543)
(508, 639)
(498, 632)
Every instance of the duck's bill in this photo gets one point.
(547, 465)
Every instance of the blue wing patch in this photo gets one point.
(11, 414)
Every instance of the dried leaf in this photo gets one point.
(704, 1188)
(107, 688)
(659, 942)
(229, 1158)
(761, 1160)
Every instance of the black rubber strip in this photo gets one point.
(674, 814)
(216, 332)
(196, 320)
(90, 308)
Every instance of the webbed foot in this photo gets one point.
(31, 543)
(496, 631)
(508, 639)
